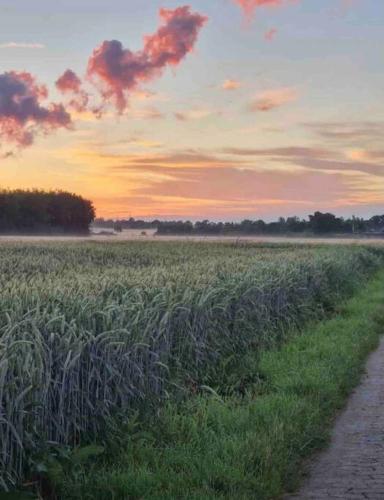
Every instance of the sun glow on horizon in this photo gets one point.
(172, 121)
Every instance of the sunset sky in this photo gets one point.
(220, 109)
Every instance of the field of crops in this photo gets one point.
(89, 331)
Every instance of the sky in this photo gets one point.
(219, 109)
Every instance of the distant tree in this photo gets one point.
(34, 211)
(322, 223)
(130, 223)
(295, 225)
(207, 227)
(260, 226)
(175, 227)
(318, 223)
(354, 225)
(376, 223)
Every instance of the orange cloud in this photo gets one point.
(365, 155)
(221, 184)
(275, 98)
(231, 84)
(232, 183)
(210, 191)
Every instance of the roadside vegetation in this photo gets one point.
(247, 444)
(163, 370)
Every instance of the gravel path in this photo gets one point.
(353, 465)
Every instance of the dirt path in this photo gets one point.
(353, 466)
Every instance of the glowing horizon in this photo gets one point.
(186, 111)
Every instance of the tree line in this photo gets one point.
(121, 224)
(318, 223)
(36, 211)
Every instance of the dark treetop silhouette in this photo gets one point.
(318, 223)
(44, 212)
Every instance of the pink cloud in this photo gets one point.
(23, 113)
(241, 185)
(116, 70)
(270, 34)
(70, 83)
(271, 99)
(249, 6)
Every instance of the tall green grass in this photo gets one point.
(88, 331)
(248, 445)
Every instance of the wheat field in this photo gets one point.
(91, 330)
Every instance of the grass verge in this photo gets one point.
(249, 443)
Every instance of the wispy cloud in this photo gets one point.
(343, 7)
(142, 142)
(198, 183)
(270, 34)
(289, 151)
(347, 132)
(21, 45)
(319, 164)
(321, 159)
(274, 98)
(249, 6)
(146, 113)
(195, 114)
(231, 84)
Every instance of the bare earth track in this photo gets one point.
(353, 466)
